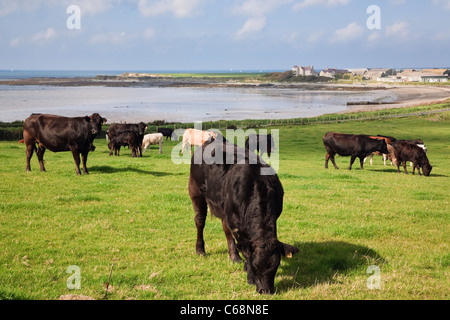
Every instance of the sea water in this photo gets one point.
(178, 104)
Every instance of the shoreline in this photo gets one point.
(406, 95)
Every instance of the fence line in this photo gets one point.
(10, 135)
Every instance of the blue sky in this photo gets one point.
(222, 35)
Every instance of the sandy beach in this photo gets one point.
(407, 96)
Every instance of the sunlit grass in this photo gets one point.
(137, 215)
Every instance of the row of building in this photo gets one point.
(381, 75)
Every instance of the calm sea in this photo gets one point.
(180, 104)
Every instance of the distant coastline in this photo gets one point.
(276, 99)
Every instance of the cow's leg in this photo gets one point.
(76, 158)
(201, 210)
(330, 156)
(84, 156)
(232, 249)
(327, 158)
(160, 146)
(404, 166)
(31, 147)
(40, 154)
(361, 161)
(352, 160)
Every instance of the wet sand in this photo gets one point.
(403, 95)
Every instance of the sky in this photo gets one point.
(223, 35)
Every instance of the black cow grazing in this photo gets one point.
(355, 146)
(139, 128)
(247, 202)
(405, 151)
(123, 139)
(168, 133)
(57, 134)
(261, 143)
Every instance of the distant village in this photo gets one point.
(380, 75)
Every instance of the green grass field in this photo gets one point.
(137, 215)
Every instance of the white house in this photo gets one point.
(300, 71)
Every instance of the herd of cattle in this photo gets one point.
(363, 146)
(247, 202)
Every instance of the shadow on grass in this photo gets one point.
(320, 262)
(110, 170)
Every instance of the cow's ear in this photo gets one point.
(104, 120)
(287, 250)
(88, 119)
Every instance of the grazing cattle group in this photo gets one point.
(247, 201)
(363, 146)
(135, 135)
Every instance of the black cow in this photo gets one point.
(406, 151)
(247, 202)
(139, 128)
(123, 139)
(57, 134)
(355, 146)
(168, 133)
(261, 143)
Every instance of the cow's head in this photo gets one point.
(263, 262)
(96, 122)
(382, 146)
(142, 128)
(427, 169)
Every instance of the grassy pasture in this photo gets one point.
(137, 215)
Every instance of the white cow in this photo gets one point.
(151, 139)
(194, 137)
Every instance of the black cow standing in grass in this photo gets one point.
(123, 139)
(57, 134)
(406, 151)
(168, 133)
(139, 128)
(248, 203)
(355, 146)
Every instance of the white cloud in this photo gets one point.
(40, 37)
(257, 8)
(327, 3)
(350, 33)
(398, 30)
(87, 6)
(148, 33)
(179, 8)
(251, 26)
(116, 38)
(316, 36)
(44, 36)
(256, 11)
